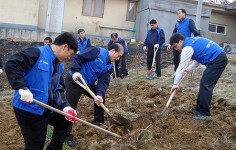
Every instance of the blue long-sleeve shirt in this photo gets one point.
(90, 54)
(192, 28)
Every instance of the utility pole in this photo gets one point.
(198, 16)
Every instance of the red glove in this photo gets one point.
(174, 87)
(71, 112)
(186, 72)
(99, 100)
(169, 48)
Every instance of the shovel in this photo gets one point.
(170, 99)
(119, 120)
(114, 70)
(153, 69)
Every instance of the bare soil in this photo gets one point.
(139, 100)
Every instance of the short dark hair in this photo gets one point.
(183, 11)
(153, 21)
(114, 35)
(175, 38)
(117, 46)
(67, 38)
(81, 30)
(49, 39)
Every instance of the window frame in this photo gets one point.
(92, 11)
(217, 28)
(135, 10)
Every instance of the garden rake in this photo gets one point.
(123, 140)
(119, 120)
(170, 99)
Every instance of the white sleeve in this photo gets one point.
(193, 66)
(185, 57)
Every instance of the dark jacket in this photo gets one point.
(156, 36)
(121, 41)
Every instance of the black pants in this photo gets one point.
(73, 93)
(34, 129)
(123, 66)
(209, 79)
(150, 55)
(176, 58)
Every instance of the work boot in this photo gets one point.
(200, 117)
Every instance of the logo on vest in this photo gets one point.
(100, 60)
(43, 62)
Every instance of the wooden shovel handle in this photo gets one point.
(85, 86)
(153, 60)
(77, 119)
(173, 93)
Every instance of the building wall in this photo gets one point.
(227, 20)
(113, 16)
(21, 14)
(43, 5)
(165, 12)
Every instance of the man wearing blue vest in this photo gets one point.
(83, 41)
(202, 51)
(185, 26)
(93, 64)
(36, 73)
(116, 39)
(155, 39)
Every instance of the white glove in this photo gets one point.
(99, 100)
(76, 76)
(26, 96)
(71, 112)
(169, 47)
(156, 46)
(174, 87)
(145, 48)
(1, 71)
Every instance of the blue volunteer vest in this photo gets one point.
(92, 70)
(82, 47)
(183, 27)
(158, 30)
(205, 50)
(119, 39)
(39, 78)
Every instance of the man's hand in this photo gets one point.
(156, 46)
(174, 87)
(186, 72)
(99, 100)
(71, 112)
(145, 48)
(76, 76)
(169, 48)
(26, 96)
(1, 71)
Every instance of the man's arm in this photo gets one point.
(59, 97)
(175, 30)
(103, 83)
(1, 63)
(146, 42)
(18, 64)
(88, 43)
(109, 44)
(86, 55)
(193, 28)
(186, 56)
(162, 37)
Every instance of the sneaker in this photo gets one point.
(200, 117)
(69, 140)
(147, 76)
(158, 76)
(152, 76)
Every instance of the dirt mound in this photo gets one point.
(140, 102)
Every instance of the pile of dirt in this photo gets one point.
(140, 102)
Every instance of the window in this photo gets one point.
(93, 8)
(215, 28)
(131, 11)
